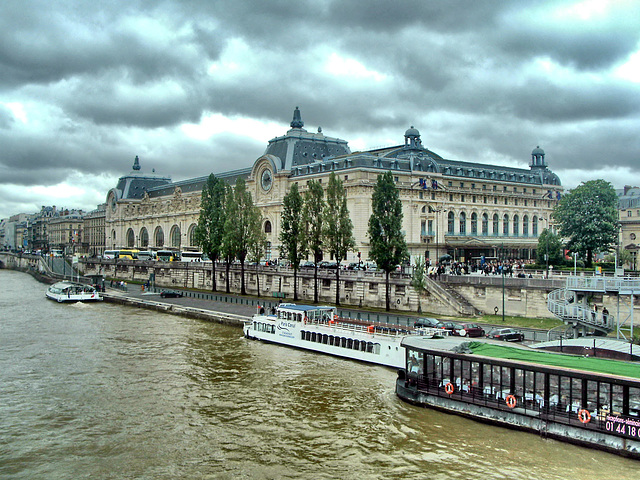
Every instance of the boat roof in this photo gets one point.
(522, 353)
(303, 308)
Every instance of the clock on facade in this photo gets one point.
(266, 180)
(112, 202)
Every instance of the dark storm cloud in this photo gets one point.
(87, 86)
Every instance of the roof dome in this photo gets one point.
(412, 132)
(537, 151)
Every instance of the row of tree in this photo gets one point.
(230, 228)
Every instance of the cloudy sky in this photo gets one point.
(195, 87)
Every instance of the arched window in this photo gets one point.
(463, 223)
(505, 225)
(131, 238)
(191, 235)
(175, 236)
(113, 238)
(516, 226)
(535, 226)
(525, 226)
(450, 222)
(485, 224)
(267, 226)
(159, 237)
(144, 237)
(474, 223)
(495, 224)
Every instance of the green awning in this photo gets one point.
(589, 364)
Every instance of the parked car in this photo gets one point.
(170, 294)
(427, 322)
(506, 334)
(452, 327)
(471, 330)
(307, 264)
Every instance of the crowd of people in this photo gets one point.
(509, 268)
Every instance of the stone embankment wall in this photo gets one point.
(357, 288)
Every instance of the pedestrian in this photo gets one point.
(605, 314)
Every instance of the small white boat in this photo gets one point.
(318, 328)
(72, 292)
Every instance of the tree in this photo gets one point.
(337, 230)
(388, 246)
(228, 246)
(210, 229)
(588, 217)
(241, 223)
(314, 219)
(257, 243)
(292, 232)
(549, 244)
(418, 279)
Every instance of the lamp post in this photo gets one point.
(503, 272)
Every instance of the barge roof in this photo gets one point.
(526, 354)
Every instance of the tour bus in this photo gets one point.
(128, 254)
(110, 254)
(168, 256)
(147, 255)
(191, 256)
(55, 252)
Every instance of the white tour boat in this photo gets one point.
(319, 329)
(72, 292)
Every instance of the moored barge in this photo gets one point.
(593, 402)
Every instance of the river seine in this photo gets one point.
(106, 391)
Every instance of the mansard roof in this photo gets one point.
(136, 183)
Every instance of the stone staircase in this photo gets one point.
(449, 296)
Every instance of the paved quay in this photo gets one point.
(227, 308)
(233, 311)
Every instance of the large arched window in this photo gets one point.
(158, 237)
(144, 238)
(113, 238)
(191, 235)
(494, 230)
(474, 223)
(525, 226)
(175, 236)
(131, 238)
(267, 226)
(534, 226)
(450, 222)
(505, 225)
(516, 225)
(463, 223)
(485, 224)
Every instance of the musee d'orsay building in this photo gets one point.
(463, 209)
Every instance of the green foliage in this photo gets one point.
(588, 217)
(314, 219)
(388, 245)
(337, 231)
(418, 281)
(313, 216)
(292, 232)
(549, 243)
(292, 227)
(242, 225)
(209, 232)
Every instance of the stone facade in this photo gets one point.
(629, 210)
(463, 209)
